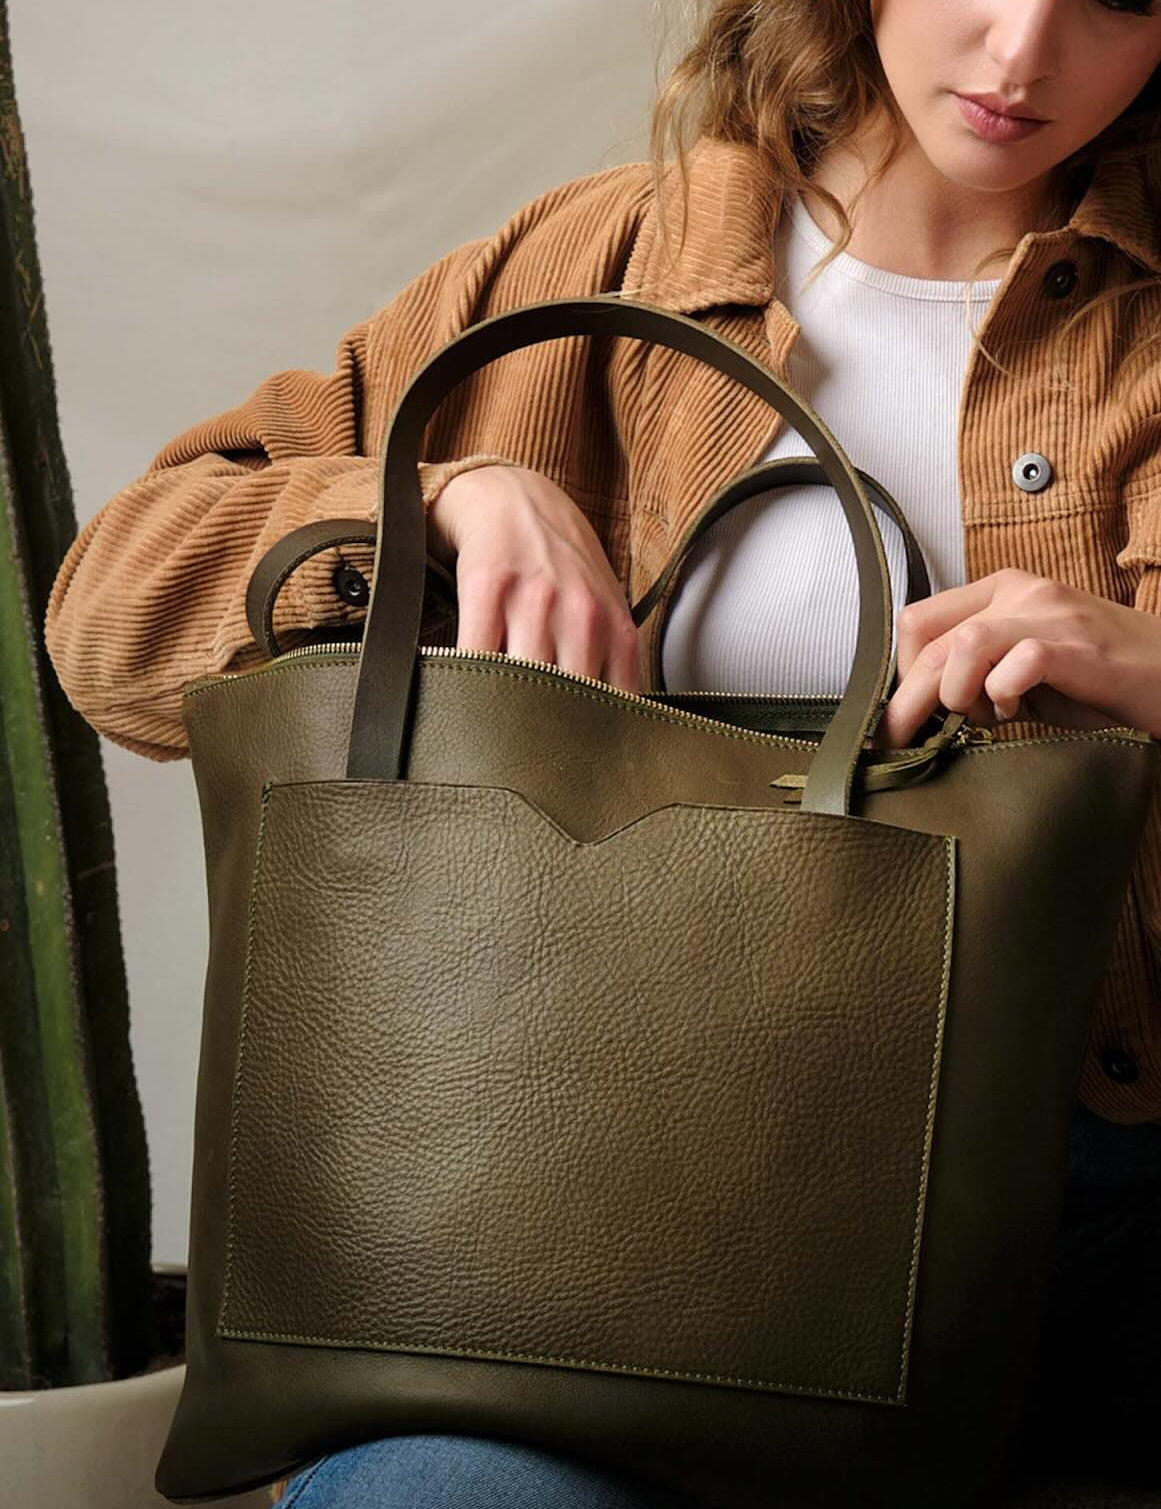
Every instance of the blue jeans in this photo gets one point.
(462, 1472)
(1095, 1401)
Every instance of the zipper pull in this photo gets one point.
(970, 733)
(896, 768)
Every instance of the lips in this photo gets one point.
(991, 126)
(997, 105)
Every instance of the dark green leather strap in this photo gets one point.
(286, 555)
(787, 471)
(386, 683)
(289, 553)
(284, 558)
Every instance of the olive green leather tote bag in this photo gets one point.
(673, 1081)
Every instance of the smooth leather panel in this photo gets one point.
(584, 1126)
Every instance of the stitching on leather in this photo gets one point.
(236, 1088)
(749, 736)
(929, 1130)
(655, 715)
(226, 1331)
(483, 1354)
(1077, 738)
(728, 730)
(782, 814)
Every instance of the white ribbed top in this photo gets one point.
(768, 597)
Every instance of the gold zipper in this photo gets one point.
(350, 651)
(969, 733)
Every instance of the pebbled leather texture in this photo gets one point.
(584, 1126)
(647, 1086)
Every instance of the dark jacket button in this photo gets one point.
(1120, 1066)
(1060, 279)
(352, 586)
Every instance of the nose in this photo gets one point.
(1024, 41)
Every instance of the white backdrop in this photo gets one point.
(221, 190)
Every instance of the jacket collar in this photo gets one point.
(728, 255)
(1123, 206)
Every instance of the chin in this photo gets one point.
(984, 171)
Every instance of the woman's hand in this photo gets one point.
(1015, 645)
(532, 578)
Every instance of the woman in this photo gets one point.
(1028, 460)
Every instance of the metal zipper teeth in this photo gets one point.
(970, 733)
(351, 652)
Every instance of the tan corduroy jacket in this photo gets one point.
(150, 596)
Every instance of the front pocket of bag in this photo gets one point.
(661, 1104)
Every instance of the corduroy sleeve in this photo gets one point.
(151, 595)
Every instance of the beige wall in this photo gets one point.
(221, 190)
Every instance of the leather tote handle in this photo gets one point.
(293, 550)
(283, 559)
(385, 691)
(286, 555)
(296, 548)
(787, 471)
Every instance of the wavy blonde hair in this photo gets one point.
(796, 78)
